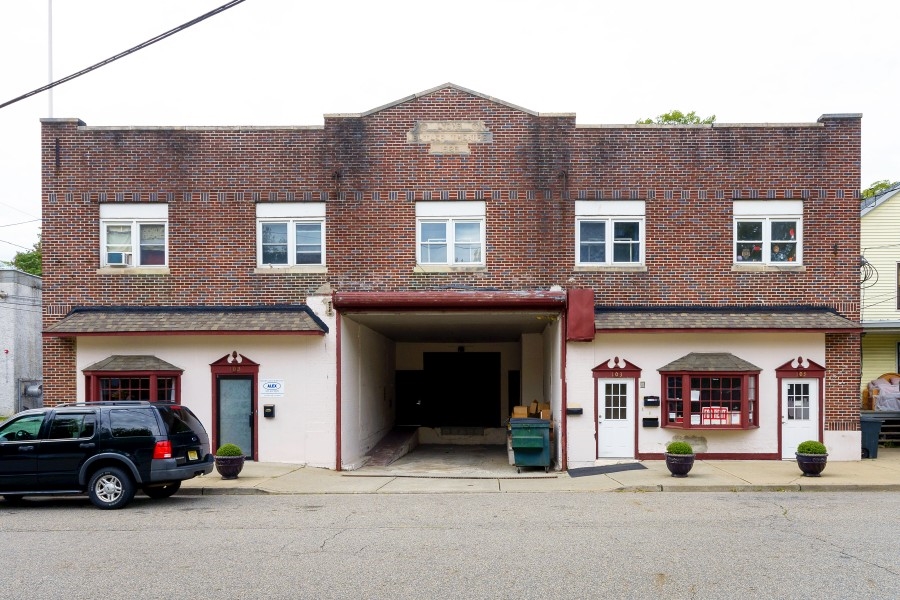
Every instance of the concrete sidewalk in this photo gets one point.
(880, 474)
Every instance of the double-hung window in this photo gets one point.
(768, 232)
(450, 233)
(133, 235)
(609, 233)
(291, 234)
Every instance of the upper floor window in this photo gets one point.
(768, 231)
(291, 234)
(609, 232)
(450, 233)
(133, 235)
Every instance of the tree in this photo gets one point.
(878, 187)
(30, 261)
(676, 117)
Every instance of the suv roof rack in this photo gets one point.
(107, 403)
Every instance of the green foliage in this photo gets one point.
(229, 450)
(30, 261)
(811, 447)
(679, 448)
(878, 187)
(676, 117)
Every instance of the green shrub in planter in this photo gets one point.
(229, 450)
(811, 447)
(679, 448)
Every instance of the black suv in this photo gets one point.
(105, 449)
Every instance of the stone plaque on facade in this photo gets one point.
(449, 137)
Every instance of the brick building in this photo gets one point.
(440, 259)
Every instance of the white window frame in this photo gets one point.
(133, 216)
(610, 213)
(452, 214)
(768, 212)
(291, 214)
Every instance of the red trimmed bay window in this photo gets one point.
(158, 386)
(710, 400)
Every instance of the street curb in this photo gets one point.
(253, 491)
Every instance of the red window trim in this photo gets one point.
(686, 394)
(92, 381)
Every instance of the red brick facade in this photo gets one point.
(529, 176)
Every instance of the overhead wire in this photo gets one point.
(125, 53)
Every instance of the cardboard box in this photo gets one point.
(520, 412)
(545, 414)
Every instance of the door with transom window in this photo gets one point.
(615, 418)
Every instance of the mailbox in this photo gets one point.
(268, 410)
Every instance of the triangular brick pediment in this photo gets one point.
(430, 92)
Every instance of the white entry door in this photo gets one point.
(799, 414)
(615, 418)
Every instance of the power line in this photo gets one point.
(22, 223)
(149, 42)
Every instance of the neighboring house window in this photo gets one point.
(609, 232)
(450, 233)
(898, 299)
(710, 400)
(133, 235)
(768, 231)
(291, 234)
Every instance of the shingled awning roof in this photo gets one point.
(125, 362)
(710, 361)
(755, 318)
(189, 320)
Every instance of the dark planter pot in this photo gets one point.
(812, 465)
(229, 466)
(679, 464)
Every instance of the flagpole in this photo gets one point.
(50, 53)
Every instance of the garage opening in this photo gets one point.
(424, 378)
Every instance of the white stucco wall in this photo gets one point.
(652, 351)
(367, 391)
(303, 429)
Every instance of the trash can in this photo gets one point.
(871, 431)
(530, 441)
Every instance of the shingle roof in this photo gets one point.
(710, 361)
(181, 320)
(123, 362)
(720, 318)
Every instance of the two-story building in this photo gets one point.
(436, 261)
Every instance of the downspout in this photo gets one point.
(337, 395)
(564, 419)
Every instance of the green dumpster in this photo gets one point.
(530, 441)
(871, 431)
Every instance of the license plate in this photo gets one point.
(192, 455)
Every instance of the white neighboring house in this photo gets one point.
(879, 298)
(20, 340)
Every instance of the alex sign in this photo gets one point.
(271, 388)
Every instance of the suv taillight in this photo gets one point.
(163, 450)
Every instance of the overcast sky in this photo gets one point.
(288, 62)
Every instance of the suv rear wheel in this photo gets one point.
(162, 491)
(111, 488)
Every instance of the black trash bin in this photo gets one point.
(871, 431)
